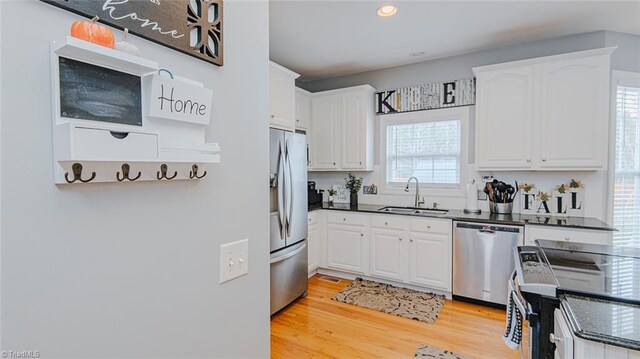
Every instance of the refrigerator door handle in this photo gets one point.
(289, 216)
(288, 255)
(281, 185)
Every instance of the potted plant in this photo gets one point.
(353, 184)
(332, 192)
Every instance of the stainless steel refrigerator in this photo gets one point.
(288, 217)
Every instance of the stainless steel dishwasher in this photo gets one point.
(483, 260)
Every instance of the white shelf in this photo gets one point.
(84, 51)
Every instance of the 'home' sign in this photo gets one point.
(179, 101)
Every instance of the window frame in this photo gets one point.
(460, 113)
(618, 78)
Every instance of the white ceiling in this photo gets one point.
(323, 39)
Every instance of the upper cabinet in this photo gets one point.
(303, 109)
(548, 113)
(282, 95)
(341, 133)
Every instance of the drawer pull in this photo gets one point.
(411, 240)
(361, 234)
(400, 239)
(119, 135)
(386, 224)
(554, 339)
(429, 227)
(344, 219)
(567, 238)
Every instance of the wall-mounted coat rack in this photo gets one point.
(145, 142)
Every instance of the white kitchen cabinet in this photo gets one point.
(388, 252)
(314, 243)
(504, 115)
(548, 113)
(430, 260)
(562, 336)
(303, 109)
(323, 142)
(347, 248)
(569, 346)
(591, 236)
(282, 108)
(574, 112)
(342, 129)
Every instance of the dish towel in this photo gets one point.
(513, 333)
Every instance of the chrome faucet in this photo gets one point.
(418, 201)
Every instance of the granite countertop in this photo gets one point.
(484, 217)
(603, 321)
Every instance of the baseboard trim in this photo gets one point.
(352, 276)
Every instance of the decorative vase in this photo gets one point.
(354, 198)
(330, 199)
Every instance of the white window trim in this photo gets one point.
(618, 78)
(427, 190)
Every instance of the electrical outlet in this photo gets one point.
(234, 260)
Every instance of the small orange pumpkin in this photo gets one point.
(93, 32)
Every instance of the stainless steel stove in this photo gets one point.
(552, 268)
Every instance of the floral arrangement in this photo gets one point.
(543, 196)
(562, 188)
(353, 183)
(575, 184)
(527, 187)
(332, 192)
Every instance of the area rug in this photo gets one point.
(386, 298)
(425, 351)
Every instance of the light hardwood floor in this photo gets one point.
(318, 327)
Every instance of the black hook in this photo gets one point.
(76, 168)
(125, 173)
(194, 172)
(163, 169)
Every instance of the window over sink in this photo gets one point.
(429, 145)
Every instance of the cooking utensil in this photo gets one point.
(511, 191)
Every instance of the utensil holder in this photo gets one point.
(501, 208)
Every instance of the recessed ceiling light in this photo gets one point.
(387, 10)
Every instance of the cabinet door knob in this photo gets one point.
(344, 219)
(386, 224)
(411, 240)
(361, 234)
(528, 159)
(567, 238)
(273, 116)
(360, 162)
(334, 163)
(400, 239)
(429, 227)
(544, 160)
(297, 120)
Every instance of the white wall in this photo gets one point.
(457, 67)
(131, 270)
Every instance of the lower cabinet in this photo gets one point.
(409, 250)
(313, 246)
(347, 247)
(387, 250)
(430, 260)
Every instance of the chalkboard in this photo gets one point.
(95, 93)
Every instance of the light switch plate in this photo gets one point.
(234, 260)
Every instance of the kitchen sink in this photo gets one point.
(414, 211)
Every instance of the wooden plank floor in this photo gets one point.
(318, 327)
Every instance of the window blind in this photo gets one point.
(626, 192)
(429, 151)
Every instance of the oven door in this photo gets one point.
(538, 310)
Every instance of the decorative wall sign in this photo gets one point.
(177, 100)
(527, 198)
(427, 97)
(193, 27)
